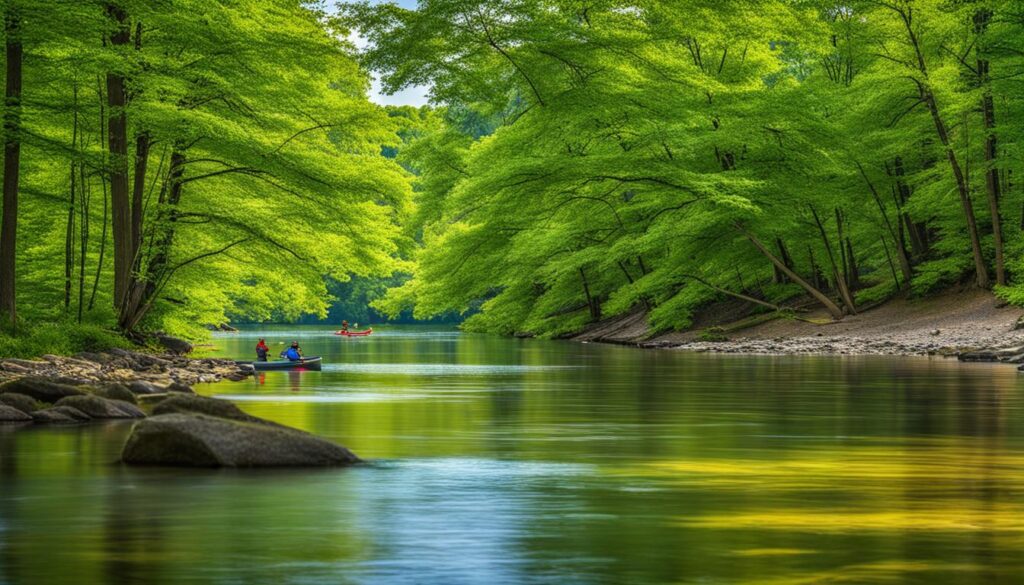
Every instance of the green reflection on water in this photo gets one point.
(506, 461)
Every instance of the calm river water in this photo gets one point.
(500, 461)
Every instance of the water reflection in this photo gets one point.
(512, 461)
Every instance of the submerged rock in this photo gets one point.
(9, 414)
(24, 403)
(198, 440)
(98, 407)
(60, 414)
(42, 389)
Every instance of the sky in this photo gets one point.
(411, 96)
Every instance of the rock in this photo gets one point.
(180, 387)
(60, 414)
(97, 407)
(24, 403)
(174, 344)
(936, 332)
(1014, 359)
(143, 387)
(1019, 323)
(30, 364)
(978, 356)
(227, 328)
(9, 414)
(195, 404)
(96, 358)
(39, 388)
(114, 391)
(197, 440)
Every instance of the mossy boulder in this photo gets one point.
(197, 440)
(143, 387)
(39, 388)
(99, 407)
(9, 414)
(195, 404)
(114, 391)
(180, 387)
(24, 403)
(60, 414)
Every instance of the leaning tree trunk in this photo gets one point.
(12, 167)
(117, 142)
(832, 308)
(844, 291)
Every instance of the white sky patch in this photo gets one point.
(417, 95)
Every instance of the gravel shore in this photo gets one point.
(948, 324)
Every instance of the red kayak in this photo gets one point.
(355, 333)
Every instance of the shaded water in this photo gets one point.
(522, 461)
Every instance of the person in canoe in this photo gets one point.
(293, 353)
(344, 325)
(261, 350)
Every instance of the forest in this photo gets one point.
(177, 163)
(599, 157)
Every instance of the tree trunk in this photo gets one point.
(595, 308)
(901, 251)
(832, 308)
(928, 98)
(117, 141)
(142, 144)
(918, 232)
(854, 271)
(69, 242)
(991, 171)
(12, 167)
(844, 292)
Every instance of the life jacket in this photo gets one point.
(292, 354)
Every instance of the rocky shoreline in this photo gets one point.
(970, 325)
(180, 427)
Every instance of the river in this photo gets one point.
(496, 460)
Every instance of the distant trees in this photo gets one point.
(655, 155)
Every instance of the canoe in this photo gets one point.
(310, 363)
(355, 333)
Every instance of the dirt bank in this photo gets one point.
(945, 324)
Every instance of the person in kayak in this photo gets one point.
(344, 325)
(261, 350)
(293, 353)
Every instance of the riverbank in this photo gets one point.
(948, 324)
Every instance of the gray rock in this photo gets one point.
(174, 344)
(39, 388)
(96, 358)
(60, 414)
(97, 407)
(979, 356)
(114, 391)
(143, 387)
(197, 440)
(25, 404)
(180, 387)
(9, 414)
